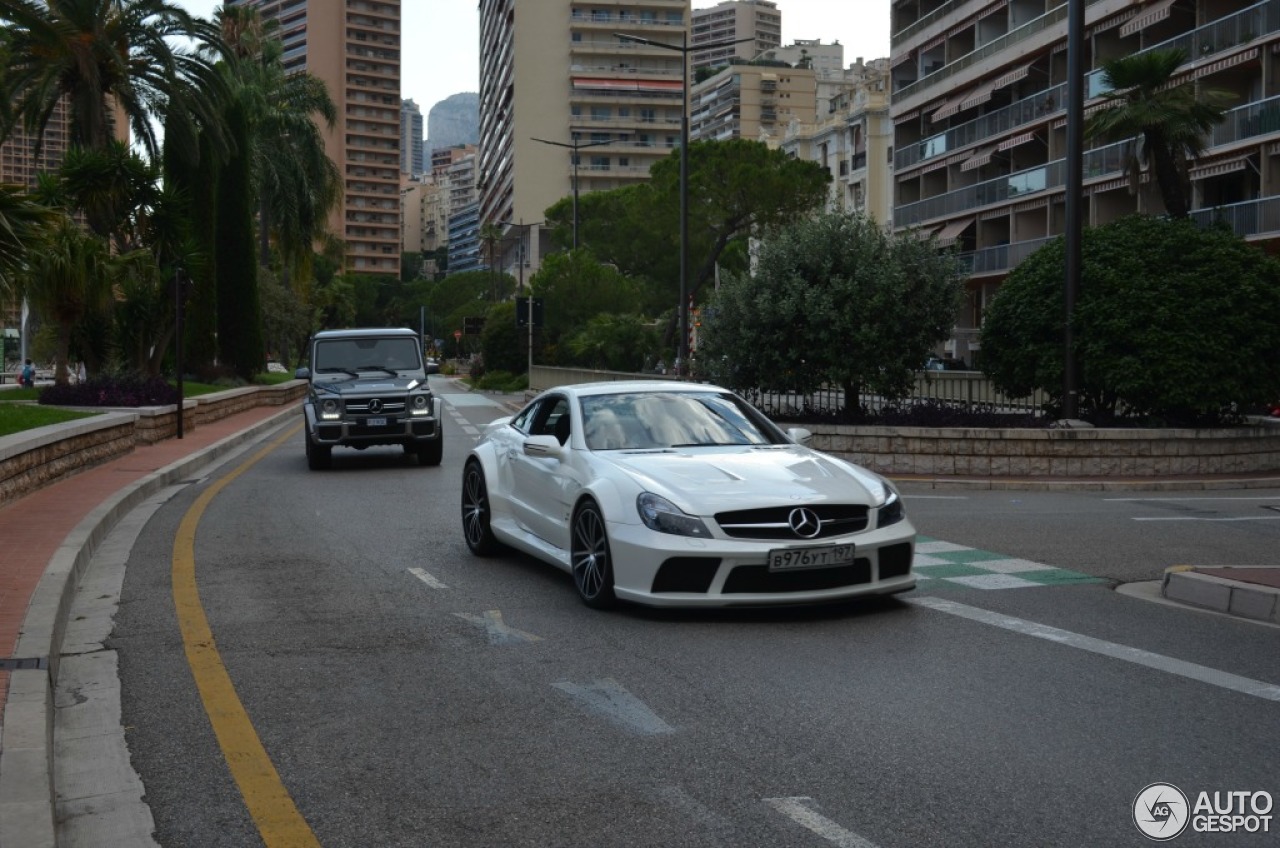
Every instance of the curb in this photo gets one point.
(27, 800)
(1182, 583)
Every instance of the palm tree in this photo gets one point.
(70, 277)
(490, 236)
(98, 55)
(1166, 122)
(23, 224)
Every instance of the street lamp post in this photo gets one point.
(575, 147)
(684, 49)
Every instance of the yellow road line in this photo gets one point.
(273, 811)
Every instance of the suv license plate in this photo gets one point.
(375, 422)
(821, 556)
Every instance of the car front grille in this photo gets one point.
(775, 522)
(389, 406)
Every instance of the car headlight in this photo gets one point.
(421, 404)
(891, 511)
(662, 515)
(330, 408)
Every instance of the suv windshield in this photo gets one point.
(371, 354)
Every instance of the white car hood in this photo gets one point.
(705, 480)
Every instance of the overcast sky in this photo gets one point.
(440, 38)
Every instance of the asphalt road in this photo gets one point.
(409, 694)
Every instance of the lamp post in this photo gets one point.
(684, 49)
(575, 147)
(1075, 212)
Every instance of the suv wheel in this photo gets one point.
(319, 457)
(432, 452)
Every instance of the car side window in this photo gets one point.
(522, 419)
(547, 420)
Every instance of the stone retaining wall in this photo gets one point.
(1103, 453)
(35, 458)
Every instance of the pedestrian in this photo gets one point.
(28, 377)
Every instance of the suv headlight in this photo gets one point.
(420, 404)
(662, 515)
(330, 408)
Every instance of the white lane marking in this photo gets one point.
(427, 578)
(1198, 518)
(607, 698)
(676, 796)
(471, 399)
(1204, 498)
(1159, 662)
(936, 497)
(798, 811)
(499, 632)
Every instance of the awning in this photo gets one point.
(932, 43)
(1224, 63)
(942, 162)
(1213, 169)
(947, 235)
(1153, 13)
(1022, 138)
(628, 84)
(1107, 185)
(1011, 77)
(992, 9)
(1112, 21)
(1028, 205)
(978, 159)
(978, 96)
(948, 108)
(900, 58)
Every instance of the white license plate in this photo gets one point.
(375, 422)
(820, 556)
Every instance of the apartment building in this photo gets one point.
(728, 21)
(752, 101)
(412, 161)
(561, 74)
(979, 112)
(354, 47)
(853, 140)
(443, 157)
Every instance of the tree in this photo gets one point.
(100, 55)
(574, 288)
(503, 345)
(70, 276)
(736, 189)
(1173, 322)
(24, 222)
(835, 300)
(614, 342)
(1166, 123)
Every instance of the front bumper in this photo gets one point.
(660, 569)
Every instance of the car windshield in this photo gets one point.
(374, 355)
(658, 419)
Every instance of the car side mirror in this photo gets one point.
(302, 373)
(800, 436)
(543, 447)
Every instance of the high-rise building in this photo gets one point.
(980, 125)
(353, 46)
(411, 147)
(560, 73)
(730, 20)
(755, 102)
(852, 139)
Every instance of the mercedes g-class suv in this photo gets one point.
(369, 387)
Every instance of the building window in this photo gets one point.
(599, 163)
(648, 116)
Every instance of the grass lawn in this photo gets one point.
(16, 417)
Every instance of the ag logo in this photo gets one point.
(1161, 812)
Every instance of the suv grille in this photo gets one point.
(389, 406)
(775, 522)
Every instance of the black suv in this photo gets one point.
(369, 387)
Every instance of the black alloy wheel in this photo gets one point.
(319, 457)
(589, 558)
(475, 511)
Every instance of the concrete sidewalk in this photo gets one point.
(51, 536)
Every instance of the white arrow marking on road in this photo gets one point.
(499, 632)
(609, 699)
(427, 578)
(1204, 674)
(797, 810)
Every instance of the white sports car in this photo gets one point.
(681, 494)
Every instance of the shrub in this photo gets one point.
(112, 390)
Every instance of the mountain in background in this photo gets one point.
(453, 121)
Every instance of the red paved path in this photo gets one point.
(34, 527)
